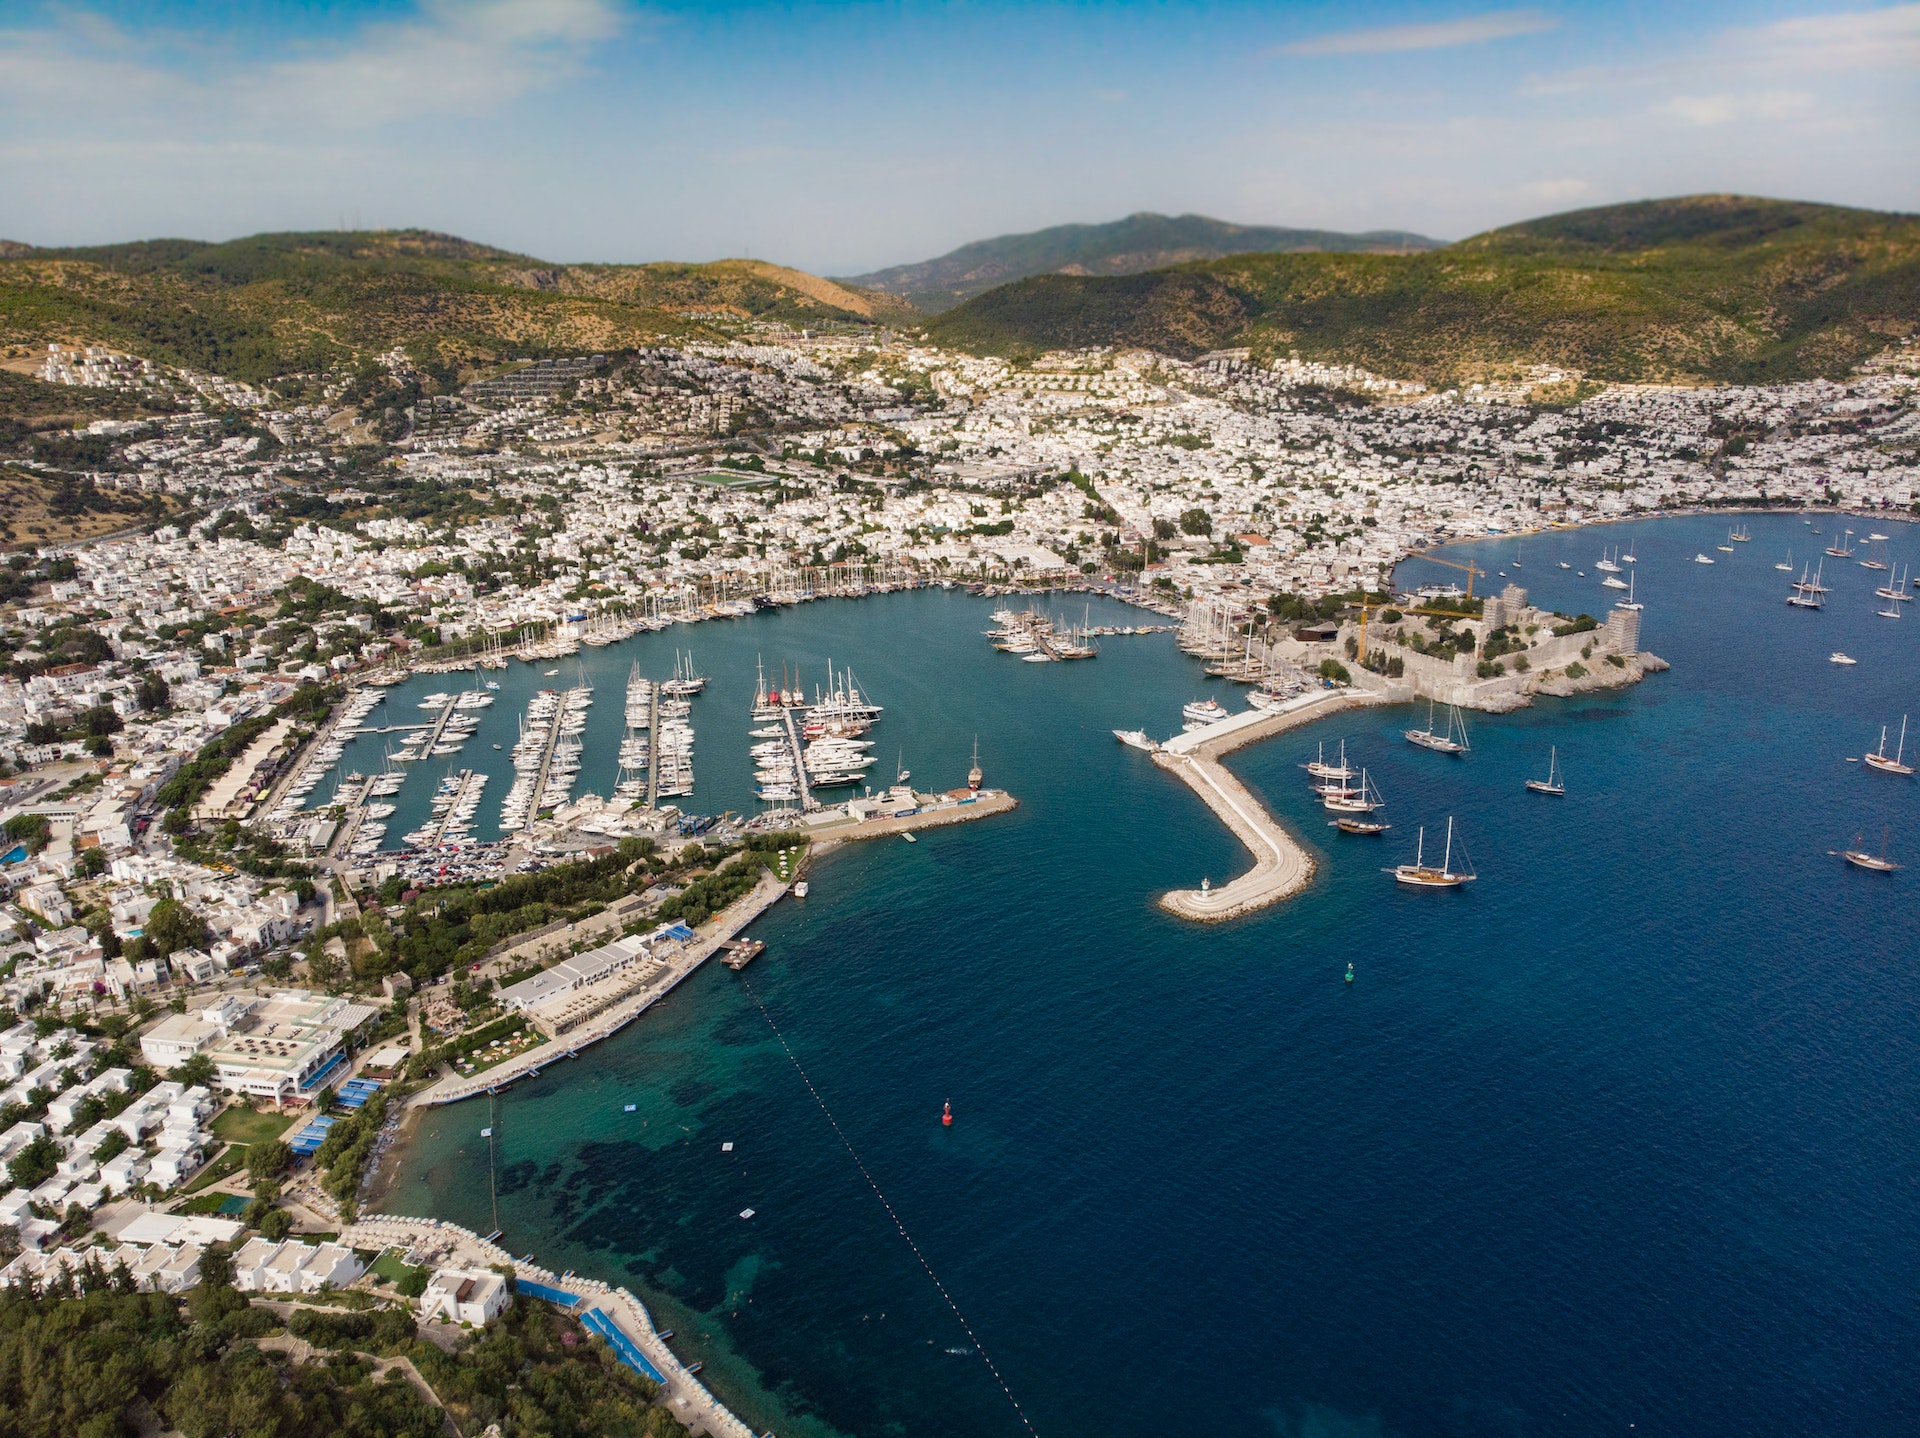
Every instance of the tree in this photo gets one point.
(92, 862)
(153, 693)
(33, 830)
(266, 1162)
(196, 1071)
(35, 1163)
(1196, 521)
(275, 1225)
(173, 926)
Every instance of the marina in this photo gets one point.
(1023, 969)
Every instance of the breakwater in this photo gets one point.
(1282, 867)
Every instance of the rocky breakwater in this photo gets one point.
(1282, 867)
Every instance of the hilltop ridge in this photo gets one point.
(1141, 241)
(1694, 288)
(274, 303)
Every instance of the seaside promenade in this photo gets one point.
(1282, 867)
(434, 1243)
(707, 940)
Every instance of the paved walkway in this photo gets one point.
(1282, 867)
(716, 931)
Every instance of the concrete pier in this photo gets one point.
(1282, 867)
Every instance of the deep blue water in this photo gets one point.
(1620, 1139)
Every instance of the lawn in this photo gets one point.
(241, 1124)
(230, 1162)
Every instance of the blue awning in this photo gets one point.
(623, 1347)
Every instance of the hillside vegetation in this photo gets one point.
(1143, 241)
(276, 304)
(1715, 287)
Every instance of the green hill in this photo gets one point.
(1710, 287)
(1139, 242)
(274, 304)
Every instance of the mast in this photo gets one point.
(1446, 864)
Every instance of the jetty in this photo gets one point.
(1282, 866)
(829, 830)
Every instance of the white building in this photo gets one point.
(464, 1295)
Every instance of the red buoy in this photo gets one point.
(946, 1115)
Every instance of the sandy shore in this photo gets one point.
(1282, 867)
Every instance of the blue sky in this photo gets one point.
(843, 137)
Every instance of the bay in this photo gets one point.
(1623, 1134)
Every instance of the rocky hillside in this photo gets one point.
(1710, 287)
(273, 304)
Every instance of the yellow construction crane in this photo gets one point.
(1471, 568)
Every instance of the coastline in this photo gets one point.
(447, 1244)
(1282, 866)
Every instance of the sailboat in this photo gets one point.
(1842, 550)
(1788, 565)
(1321, 769)
(1418, 875)
(1606, 565)
(1440, 743)
(1740, 535)
(1897, 764)
(1870, 562)
(974, 775)
(1807, 593)
(1895, 588)
(1726, 548)
(1873, 863)
(1630, 602)
(1553, 783)
(1363, 800)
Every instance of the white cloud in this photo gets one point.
(454, 59)
(448, 58)
(1849, 41)
(1725, 109)
(1439, 35)
(1886, 39)
(1555, 192)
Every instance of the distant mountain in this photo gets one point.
(1703, 287)
(1139, 242)
(273, 304)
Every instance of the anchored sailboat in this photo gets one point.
(1420, 875)
(1860, 858)
(1879, 760)
(1552, 784)
(1441, 743)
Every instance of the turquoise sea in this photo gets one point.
(1621, 1139)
